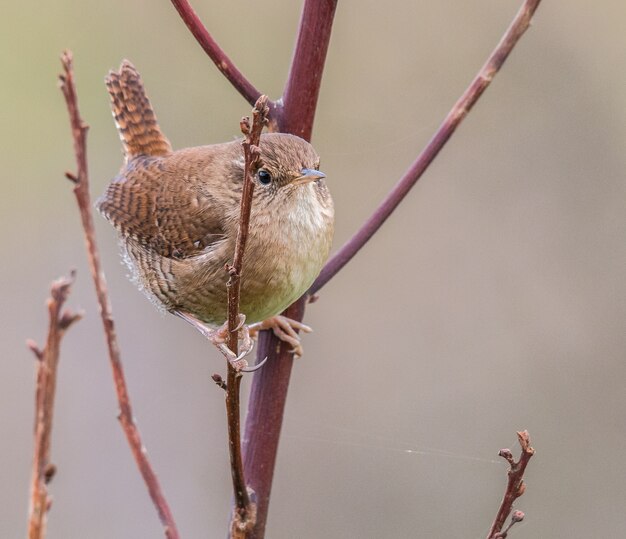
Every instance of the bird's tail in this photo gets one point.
(135, 120)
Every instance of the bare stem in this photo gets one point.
(81, 191)
(515, 486)
(47, 362)
(264, 420)
(219, 57)
(453, 119)
(244, 513)
(250, 144)
(305, 75)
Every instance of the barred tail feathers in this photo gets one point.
(135, 120)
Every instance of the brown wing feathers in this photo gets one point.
(150, 201)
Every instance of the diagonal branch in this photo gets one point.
(515, 486)
(47, 362)
(219, 57)
(270, 385)
(520, 24)
(244, 513)
(81, 191)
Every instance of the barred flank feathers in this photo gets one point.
(135, 120)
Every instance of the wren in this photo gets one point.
(177, 214)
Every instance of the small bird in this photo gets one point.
(177, 214)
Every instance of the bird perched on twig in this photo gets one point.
(177, 214)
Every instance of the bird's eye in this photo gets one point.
(264, 176)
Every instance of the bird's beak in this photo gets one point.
(308, 175)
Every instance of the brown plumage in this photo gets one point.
(177, 214)
(135, 120)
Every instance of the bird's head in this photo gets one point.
(289, 168)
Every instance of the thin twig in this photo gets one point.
(219, 57)
(460, 109)
(516, 517)
(47, 362)
(244, 513)
(515, 486)
(250, 145)
(81, 191)
(219, 381)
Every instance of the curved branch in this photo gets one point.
(81, 191)
(219, 57)
(460, 109)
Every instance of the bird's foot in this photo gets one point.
(285, 329)
(219, 338)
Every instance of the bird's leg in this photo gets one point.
(218, 337)
(285, 329)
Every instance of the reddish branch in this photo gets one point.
(219, 57)
(47, 362)
(266, 406)
(295, 114)
(244, 514)
(456, 115)
(81, 191)
(305, 75)
(268, 394)
(515, 486)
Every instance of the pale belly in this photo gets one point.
(277, 269)
(271, 281)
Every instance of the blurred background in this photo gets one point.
(493, 300)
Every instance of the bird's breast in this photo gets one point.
(285, 253)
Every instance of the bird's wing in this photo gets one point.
(160, 211)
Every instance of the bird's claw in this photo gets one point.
(247, 343)
(285, 329)
(219, 337)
